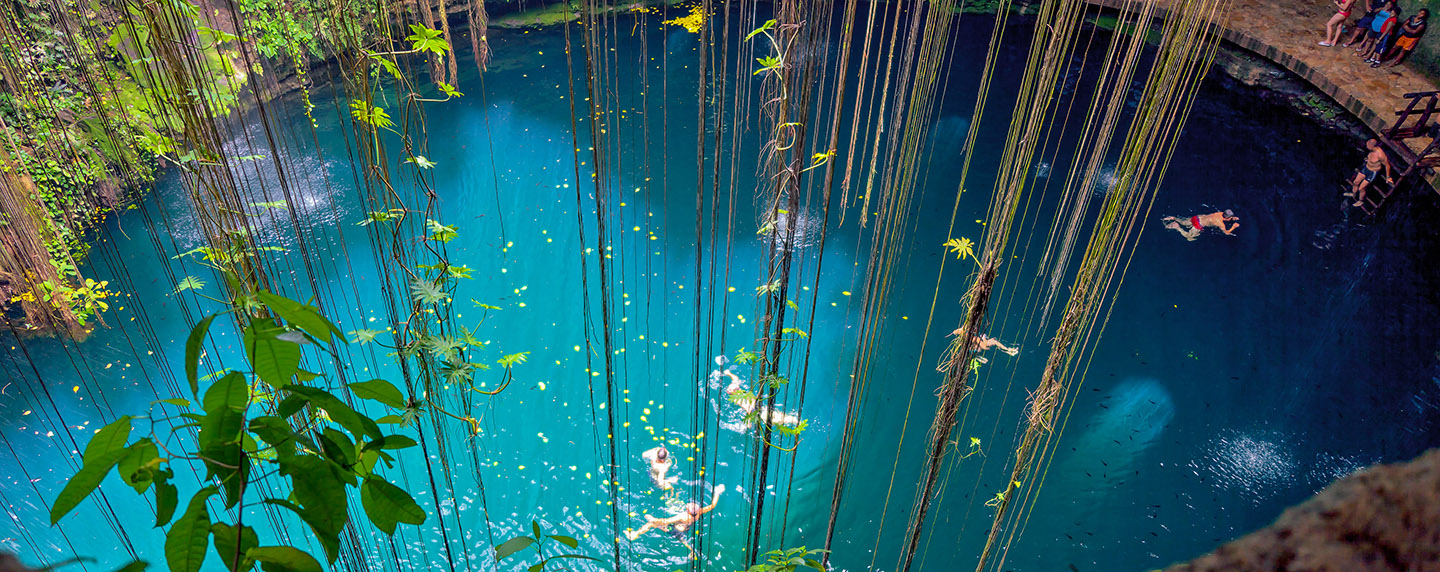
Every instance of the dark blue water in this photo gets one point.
(1236, 375)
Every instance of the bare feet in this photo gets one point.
(1357, 203)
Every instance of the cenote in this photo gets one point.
(1214, 383)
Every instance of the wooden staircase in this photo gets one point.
(1411, 123)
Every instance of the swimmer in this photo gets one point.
(747, 404)
(660, 462)
(1190, 228)
(1375, 159)
(987, 343)
(678, 524)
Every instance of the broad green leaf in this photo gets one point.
(388, 505)
(279, 435)
(379, 390)
(535, 527)
(105, 449)
(337, 447)
(304, 316)
(166, 497)
(358, 425)
(274, 360)
(291, 405)
(391, 420)
(566, 540)
(233, 543)
(178, 402)
(284, 559)
(363, 336)
(512, 546)
(136, 566)
(188, 541)
(143, 453)
(225, 404)
(391, 442)
(192, 352)
(320, 489)
(537, 567)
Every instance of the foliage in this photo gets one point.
(537, 540)
(962, 247)
(789, 560)
(239, 440)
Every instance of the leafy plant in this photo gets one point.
(789, 560)
(962, 247)
(322, 455)
(537, 540)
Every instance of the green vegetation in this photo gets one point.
(304, 432)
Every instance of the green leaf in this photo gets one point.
(284, 559)
(535, 527)
(291, 405)
(424, 39)
(144, 454)
(188, 539)
(231, 541)
(178, 402)
(192, 352)
(392, 442)
(188, 283)
(512, 546)
(274, 360)
(166, 497)
(420, 160)
(337, 447)
(135, 566)
(304, 316)
(379, 390)
(537, 567)
(566, 540)
(320, 489)
(358, 425)
(576, 556)
(363, 336)
(768, 25)
(391, 420)
(387, 505)
(278, 433)
(103, 451)
(225, 404)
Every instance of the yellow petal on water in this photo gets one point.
(542, 386)
(76, 389)
(847, 292)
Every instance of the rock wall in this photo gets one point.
(1386, 517)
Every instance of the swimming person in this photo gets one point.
(1190, 228)
(1375, 158)
(677, 525)
(660, 462)
(987, 343)
(748, 403)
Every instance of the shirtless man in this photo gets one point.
(988, 343)
(1375, 158)
(660, 463)
(747, 403)
(1190, 228)
(678, 524)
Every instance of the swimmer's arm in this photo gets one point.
(714, 499)
(1385, 159)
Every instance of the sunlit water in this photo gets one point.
(1237, 375)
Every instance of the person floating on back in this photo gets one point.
(749, 402)
(660, 463)
(1190, 228)
(1375, 159)
(677, 525)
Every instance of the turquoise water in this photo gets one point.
(1237, 375)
